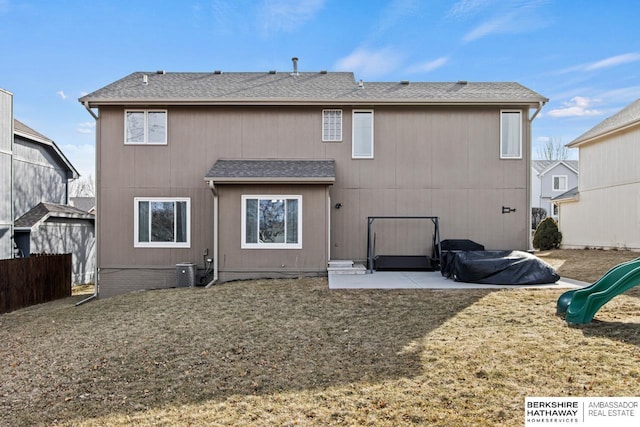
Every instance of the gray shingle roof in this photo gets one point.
(26, 132)
(321, 171)
(305, 88)
(626, 117)
(568, 195)
(543, 165)
(44, 210)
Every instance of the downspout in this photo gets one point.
(214, 191)
(529, 234)
(540, 105)
(95, 223)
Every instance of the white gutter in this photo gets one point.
(86, 105)
(540, 105)
(212, 187)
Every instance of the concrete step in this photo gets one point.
(354, 269)
(338, 263)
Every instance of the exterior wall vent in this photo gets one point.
(185, 275)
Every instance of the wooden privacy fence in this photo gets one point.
(34, 280)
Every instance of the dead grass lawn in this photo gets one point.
(292, 352)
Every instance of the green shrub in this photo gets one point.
(547, 235)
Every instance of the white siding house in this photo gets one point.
(605, 211)
(549, 179)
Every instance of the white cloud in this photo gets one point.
(82, 157)
(370, 63)
(429, 66)
(613, 61)
(513, 17)
(578, 106)
(61, 94)
(288, 15)
(496, 25)
(467, 7)
(86, 127)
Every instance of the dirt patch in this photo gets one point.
(293, 352)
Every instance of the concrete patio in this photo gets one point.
(426, 280)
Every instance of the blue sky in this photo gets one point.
(582, 55)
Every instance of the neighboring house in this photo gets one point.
(604, 211)
(85, 203)
(274, 174)
(44, 221)
(58, 229)
(549, 179)
(6, 179)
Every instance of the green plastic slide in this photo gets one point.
(580, 305)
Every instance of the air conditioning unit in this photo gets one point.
(185, 274)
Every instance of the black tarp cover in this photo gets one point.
(499, 268)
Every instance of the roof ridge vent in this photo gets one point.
(462, 82)
(217, 72)
(272, 71)
(404, 82)
(161, 72)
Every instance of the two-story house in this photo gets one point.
(35, 215)
(273, 174)
(549, 179)
(604, 210)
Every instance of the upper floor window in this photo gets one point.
(362, 134)
(511, 134)
(162, 222)
(331, 125)
(560, 183)
(145, 127)
(271, 222)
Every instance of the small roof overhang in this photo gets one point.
(572, 195)
(44, 211)
(289, 171)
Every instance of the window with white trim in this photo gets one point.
(560, 182)
(362, 145)
(145, 127)
(331, 125)
(162, 222)
(271, 222)
(510, 134)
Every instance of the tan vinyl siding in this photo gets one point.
(442, 161)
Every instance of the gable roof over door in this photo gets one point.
(321, 88)
(272, 171)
